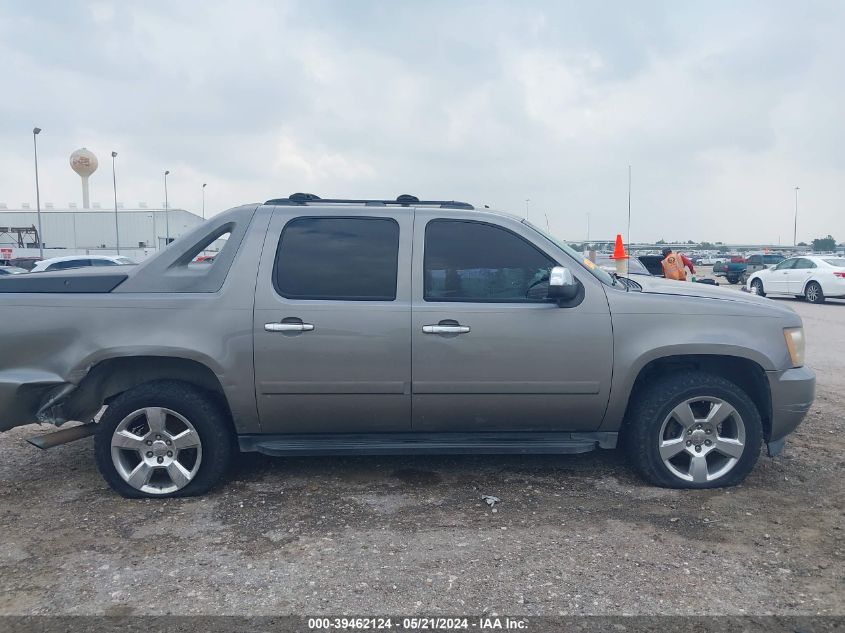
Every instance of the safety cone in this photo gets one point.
(619, 255)
(619, 249)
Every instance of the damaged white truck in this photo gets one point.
(393, 327)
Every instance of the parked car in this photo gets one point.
(27, 263)
(335, 327)
(738, 269)
(11, 270)
(812, 278)
(652, 264)
(80, 261)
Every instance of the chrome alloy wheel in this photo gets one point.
(156, 450)
(702, 439)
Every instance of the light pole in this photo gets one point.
(527, 201)
(35, 132)
(795, 226)
(166, 212)
(114, 186)
(588, 227)
(203, 200)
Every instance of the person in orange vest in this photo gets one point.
(673, 265)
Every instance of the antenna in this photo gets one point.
(628, 233)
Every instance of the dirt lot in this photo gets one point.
(396, 535)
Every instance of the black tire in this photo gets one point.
(813, 293)
(654, 404)
(732, 279)
(757, 285)
(202, 409)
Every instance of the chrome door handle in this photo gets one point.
(288, 327)
(445, 329)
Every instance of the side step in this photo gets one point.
(426, 443)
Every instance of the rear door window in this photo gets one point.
(338, 258)
(804, 263)
(73, 263)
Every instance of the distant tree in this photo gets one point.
(660, 241)
(719, 243)
(707, 246)
(802, 243)
(824, 243)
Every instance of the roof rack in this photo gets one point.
(405, 200)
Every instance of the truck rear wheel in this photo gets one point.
(693, 430)
(163, 439)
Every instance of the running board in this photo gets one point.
(425, 443)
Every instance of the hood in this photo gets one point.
(658, 285)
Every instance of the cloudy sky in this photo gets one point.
(722, 108)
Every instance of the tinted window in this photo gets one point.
(352, 259)
(471, 261)
(786, 264)
(73, 263)
(772, 259)
(804, 264)
(840, 262)
(103, 262)
(755, 259)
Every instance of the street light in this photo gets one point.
(35, 132)
(527, 200)
(795, 227)
(114, 185)
(166, 212)
(203, 200)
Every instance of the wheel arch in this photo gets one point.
(744, 372)
(112, 376)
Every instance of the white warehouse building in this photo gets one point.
(93, 229)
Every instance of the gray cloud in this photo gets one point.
(721, 107)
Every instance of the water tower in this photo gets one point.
(84, 163)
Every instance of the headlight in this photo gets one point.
(795, 344)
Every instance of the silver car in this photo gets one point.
(393, 327)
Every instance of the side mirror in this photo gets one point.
(562, 285)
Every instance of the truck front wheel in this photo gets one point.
(693, 430)
(163, 439)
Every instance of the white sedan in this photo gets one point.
(813, 278)
(80, 261)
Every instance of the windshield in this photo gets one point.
(594, 270)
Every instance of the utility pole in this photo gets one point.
(795, 227)
(114, 186)
(166, 211)
(203, 200)
(35, 132)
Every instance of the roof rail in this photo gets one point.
(405, 200)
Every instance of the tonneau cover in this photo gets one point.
(70, 281)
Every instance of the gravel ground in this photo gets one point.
(376, 535)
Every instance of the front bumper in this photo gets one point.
(792, 392)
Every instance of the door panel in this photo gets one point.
(351, 371)
(800, 275)
(779, 279)
(517, 365)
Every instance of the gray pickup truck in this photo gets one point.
(393, 327)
